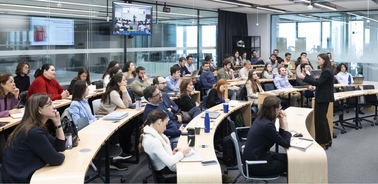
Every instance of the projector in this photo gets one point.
(167, 10)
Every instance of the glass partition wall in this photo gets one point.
(77, 34)
(351, 37)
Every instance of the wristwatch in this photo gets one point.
(59, 126)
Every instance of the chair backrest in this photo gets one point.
(82, 122)
(350, 101)
(238, 154)
(131, 94)
(370, 98)
(99, 84)
(243, 94)
(96, 104)
(268, 86)
(204, 102)
(151, 166)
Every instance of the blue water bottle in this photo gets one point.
(349, 80)
(207, 122)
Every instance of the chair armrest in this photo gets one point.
(248, 162)
(99, 116)
(169, 175)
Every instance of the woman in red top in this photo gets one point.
(45, 83)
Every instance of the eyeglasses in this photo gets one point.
(163, 83)
(156, 95)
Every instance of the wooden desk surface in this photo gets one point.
(310, 166)
(75, 165)
(194, 172)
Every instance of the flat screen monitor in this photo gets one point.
(130, 19)
(51, 31)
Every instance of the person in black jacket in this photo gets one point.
(22, 79)
(30, 147)
(188, 104)
(323, 95)
(263, 135)
(82, 74)
(216, 94)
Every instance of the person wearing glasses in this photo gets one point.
(154, 97)
(263, 135)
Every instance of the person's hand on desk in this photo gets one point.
(311, 88)
(182, 128)
(197, 104)
(184, 151)
(14, 111)
(226, 100)
(259, 59)
(65, 94)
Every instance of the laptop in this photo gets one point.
(213, 115)
(195, 73)
(315, 72)
(116, 116)
(358, 80)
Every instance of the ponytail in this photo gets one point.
(40, 71)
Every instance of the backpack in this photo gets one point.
(229, 156)
(68, 126)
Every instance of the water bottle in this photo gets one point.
(349, 80)
(207, 122)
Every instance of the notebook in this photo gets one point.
(358, 80)
(192, 156)
(116, 116)
(18, 115)
(301, 143)
(213, 115)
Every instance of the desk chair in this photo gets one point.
(243, 94)
(353, 102)
(113, 152)
(268, 86)
(204, 102)
(241, 166)
(131, 94)
(159, 177)
(373, 101)
(96, 104)
(338, 111)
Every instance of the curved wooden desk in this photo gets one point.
(308, 166)
(75, 165)
(194, 172)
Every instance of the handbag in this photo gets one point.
(68, 126)
(185, 116)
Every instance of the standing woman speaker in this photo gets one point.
(323, 87)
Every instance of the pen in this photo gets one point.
(305, 139)
(189, 142)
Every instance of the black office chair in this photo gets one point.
(338, 111)
(351, 103)
(373, 101)
(158, 177)
(268, 86)
(243, 94)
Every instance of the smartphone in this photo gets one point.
(210, 162)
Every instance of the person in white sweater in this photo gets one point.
(243, 73)
(343, 75)
(157, 146)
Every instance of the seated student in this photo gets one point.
(303, 60)
(253, 89)
(209, 60)
(167, 102)
(30, 147)
(106, 76)
(287, 61)
(226, 72)
(183, 70)
(79, 106)
(8, 96)
(263, 135)
(343, 75)
(154, 98)
(300, 82)
(83, 75)
(244, 71)
(45, 82)
(188, 104)
(281, 81)
(112, 71)
(173, 80)
(256, 60)
(157, 146)
(272, 60)
(140, 83)
(22, 79)
(281, 63)
(216, 94)
(129, 70)
(189, 64)
(207, 77)
(268, 72)
(236, 59)
(116, 96)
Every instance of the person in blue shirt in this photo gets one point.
(207, 77)
(256, 60)
(281, 82)
(79, 106)
(173, 80)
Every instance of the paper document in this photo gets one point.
(301, 143)
(194, 156)
(202, 124)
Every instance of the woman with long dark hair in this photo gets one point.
(263, 135)
(8, 96)
(323, 96)
(188, 104)
(30, 147)
(129, 70)
(106, 76)
(79, 106)
(253, 89)
(82, 74)
(267, 72)
(157, 145)
(22, 79)
(45, 83)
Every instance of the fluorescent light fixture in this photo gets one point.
(367, 18)
(233, 3)
(71, 3)
(325, 6)
(49, 13)
(270, 9)
(47, 8)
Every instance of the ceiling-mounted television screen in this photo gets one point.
(51, 31)
(130, 19)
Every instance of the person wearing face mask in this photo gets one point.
(8, 96)
(45, 83)
(140, 83)
(188, 104)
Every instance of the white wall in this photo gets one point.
(263, 30)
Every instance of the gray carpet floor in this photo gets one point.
(353, 158)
